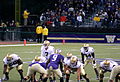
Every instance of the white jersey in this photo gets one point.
(88, 52)
(110, 67)
(66, 60)
(47, 52)
(42, 60)
(13, 62)
(77, 64)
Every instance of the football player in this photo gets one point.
(115, 74)
(53, 64)
(106, 66)
(74, 65)
(88, 56)
(67, 59)
(46, 49)
(36, 67)
(11, 61)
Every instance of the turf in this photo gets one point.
(27, 53)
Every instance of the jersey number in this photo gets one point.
(54, 57)
(46, 53)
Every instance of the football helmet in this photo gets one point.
(37, 58)
(69, 54)
(73, 59)
(86, 45)
(46, 43)
(58, 51)
(106, 62)
(9, 57)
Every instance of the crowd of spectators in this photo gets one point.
(109, 13)
(11, 23)
(76, 12)
(99, 13)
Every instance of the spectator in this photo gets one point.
(96, 20)
(25, 16)
(45, 33)
(39, 33)
(62, 20)
(79, 20)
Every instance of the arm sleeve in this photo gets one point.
(82, 57)
(19, 62)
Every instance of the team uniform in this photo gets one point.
(37, 66)
(88, 56)
(47, 50)
(75, 66)
(11, 61)
(115, 74)
(106, 66)
(53, 65)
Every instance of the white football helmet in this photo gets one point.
(46, 43)
(73, 59)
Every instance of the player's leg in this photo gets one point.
(59, 73)
(30, 72)
(40, 70)
(67, 75)
(84, 74)
(95, 69)
(101, 75)
(20, 71)
(6, 73)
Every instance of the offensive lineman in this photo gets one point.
(115, 74)
(106, 66)
(37, 67)
(88, 56)
(74, 65)
(11, 61)
(46, 49)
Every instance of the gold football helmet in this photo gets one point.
(86, 45)
(9, 57)
(58, 51)
(37, 58)
(73, 59)
(69, 54)
(106, 62)
(46, 43)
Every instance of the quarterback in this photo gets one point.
(46, 49)
(11, 61)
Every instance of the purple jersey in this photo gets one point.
(55, 60)
(42, 64)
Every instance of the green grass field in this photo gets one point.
(27, 53)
